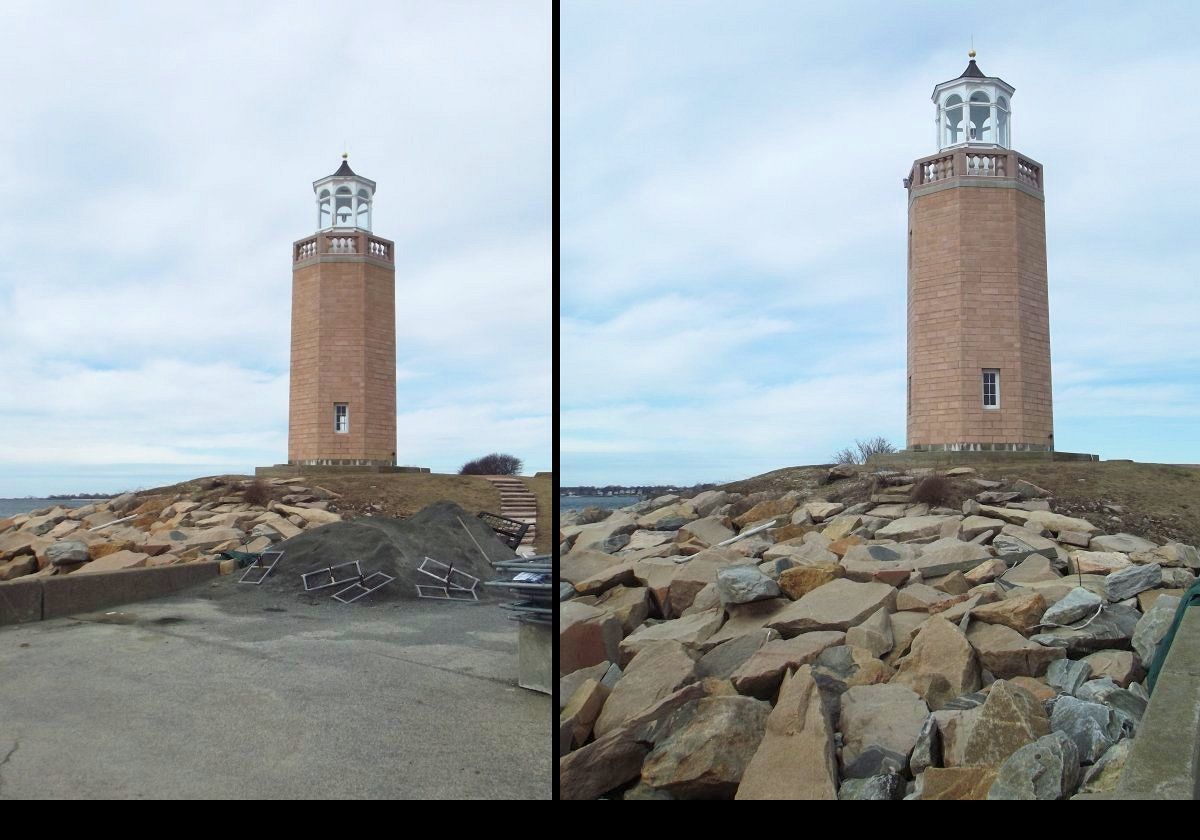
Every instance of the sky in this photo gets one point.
(158, 162)
(733, 283)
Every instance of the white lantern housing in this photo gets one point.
(973, 110)
(344, 199)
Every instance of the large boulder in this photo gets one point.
(1020, 610)
(1015, 544)
(941, 664)
(837, 605)
(1121, 666)
(874, 634)
(1046, 769)
(880, 725)
(631, 605)
(795, 759)
(1093, 727)
(1127, 583)
(1124, 543)
(946, 556)
(914, 527)
(586, 636)
(1009, 719)
(1098, 562)
(695, 574)
(745, 584)
(1150, 629)
(798, 581)
(1006, 653)
(1056, 522)
(115, 562)
(707, 756)
(956, 783)
(67, 553)
(1076, 606)
(654, 673)
(762, 673)
(1067, 675)
(1112, 628)
(689, 631)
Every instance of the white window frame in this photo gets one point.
(344, 416)
(996, 373)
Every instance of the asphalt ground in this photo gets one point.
(230, 691)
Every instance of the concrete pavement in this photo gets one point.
(227, 691)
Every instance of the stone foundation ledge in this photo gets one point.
(294, 470)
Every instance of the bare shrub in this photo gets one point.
(865, 449)
(494, 464)
(935, 490)
(257, 492)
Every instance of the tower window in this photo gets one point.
(341, 417)
(991, 388)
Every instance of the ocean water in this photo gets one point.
(605, 502)
(12, 507)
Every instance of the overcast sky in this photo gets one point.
(734, 271)
(158, 162)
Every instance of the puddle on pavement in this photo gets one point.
(113, 618)
(169, 619)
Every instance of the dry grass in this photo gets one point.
(1161, 502)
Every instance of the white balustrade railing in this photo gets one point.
(378, 248)
(306, 249)
(937, 169)
(985, 164)
(1029, 173)
(342, 244)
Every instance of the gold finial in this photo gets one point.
(345, 155)
(971, 54)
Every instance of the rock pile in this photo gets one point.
(778, 646)
(159, 529)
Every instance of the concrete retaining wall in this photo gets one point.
(54, 597)
(1165, 760)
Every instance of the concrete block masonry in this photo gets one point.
(53, 597)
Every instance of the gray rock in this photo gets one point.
(1125, 543)
(1178, 578)
(928, 750)
(565, 591)
(1067, 675)
(725, 658)
(1129, 582)
(1093, 727)
(1112, 628)
(67, 552)
(1151, 628)
(744, 585)
(1127, 703)
(1012, 548)
(888, 787)
(615, 543)
(1046, 769)
(1094, 691)
(1077, 605)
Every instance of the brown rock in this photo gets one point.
(941, 665)
(841, 546)
(616, 757)
(745, 619)
(617, 575)
(986, 572)
(1121, 666)
(1006, 653)
(904, 628)
(19, 566)
(1041, 691)
(918, 596)
(630, 604)
(707, 756)
(689, 631)
(581, 564)
(795, 759)
(586, 636)
(1021, 611)
(1009, 719)
(874, 634)
(761, 674)
(655, 672)
(582, 709)
(800, 580)
(115, 562)
(880, 726)
(957, 782)
(1098, 562)
(791, 532)
(767, 510)
(695, 574)
(837, 605)
(954, 583)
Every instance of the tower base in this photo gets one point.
(294, 470)
(964, 457)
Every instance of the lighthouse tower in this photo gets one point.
(342, 409)
(978, 313)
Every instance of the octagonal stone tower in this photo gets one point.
(342, 409)
(978, 312)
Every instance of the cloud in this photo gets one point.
(160, 160)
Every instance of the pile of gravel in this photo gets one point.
(394, 546)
